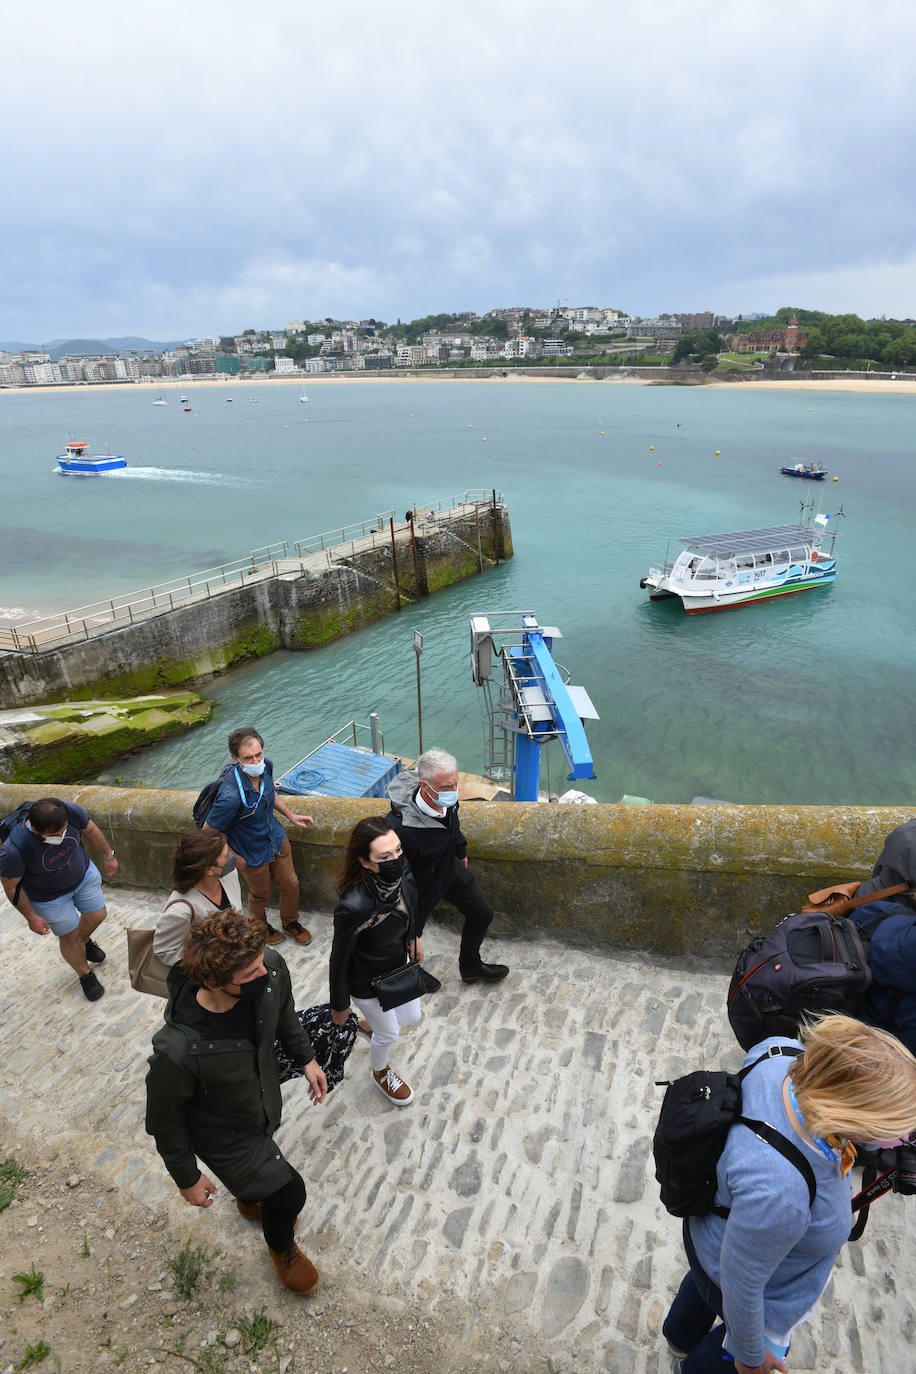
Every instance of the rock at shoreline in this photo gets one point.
(70, 741)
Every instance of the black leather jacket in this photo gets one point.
(369, 939)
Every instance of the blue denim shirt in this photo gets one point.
(251, 827)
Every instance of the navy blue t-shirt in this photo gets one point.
(47, 870)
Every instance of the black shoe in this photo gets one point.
(94, 954)
(485, 973)
(92, 988)
(431, 984)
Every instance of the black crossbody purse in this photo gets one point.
(401, 984)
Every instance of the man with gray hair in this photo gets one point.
(424, 812)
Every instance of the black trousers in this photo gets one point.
(463, 893)
(279, 1211)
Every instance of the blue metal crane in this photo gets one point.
(534, 703)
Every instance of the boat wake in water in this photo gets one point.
(213, 479)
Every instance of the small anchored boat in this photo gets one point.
(716, 572)
(76, 462)
(815, 472)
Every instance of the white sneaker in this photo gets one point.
(394, 1088)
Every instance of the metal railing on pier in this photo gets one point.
(308, 555)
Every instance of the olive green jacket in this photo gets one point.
(219, 1100)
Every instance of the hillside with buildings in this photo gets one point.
(503, 337)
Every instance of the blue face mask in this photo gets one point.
(446, 798)
(254, 770)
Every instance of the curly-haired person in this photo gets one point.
(213, 1087)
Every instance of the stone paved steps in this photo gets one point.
(519, 1183)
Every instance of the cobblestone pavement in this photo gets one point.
(518, 1184)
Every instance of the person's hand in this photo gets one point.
(202, 1194)
(38, 925)
(416, 950)
(307, 822)
(240, 863)
(463, 862)
(318, 1084)
(770, 1361)
(340, 1018)
(111, 867)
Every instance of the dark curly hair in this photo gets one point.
(219, 946)
(195, 853)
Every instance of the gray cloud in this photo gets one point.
(197, 168)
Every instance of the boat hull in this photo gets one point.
(90, 467)
(731, 601)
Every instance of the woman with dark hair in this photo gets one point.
(374, 925)
(199, 888)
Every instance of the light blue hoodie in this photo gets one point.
(773, 1256)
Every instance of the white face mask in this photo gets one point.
(53, 839)
(254, 770)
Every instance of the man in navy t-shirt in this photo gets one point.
(52, 882)
(243, 809)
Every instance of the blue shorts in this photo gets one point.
(63, 913)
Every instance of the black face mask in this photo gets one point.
(251, 990)
(389, 870)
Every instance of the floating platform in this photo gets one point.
(340, 770)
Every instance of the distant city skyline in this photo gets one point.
(177, 171)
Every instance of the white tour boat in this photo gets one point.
(715, 572)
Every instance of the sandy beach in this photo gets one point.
(903, 385)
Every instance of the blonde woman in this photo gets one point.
(763, 1268)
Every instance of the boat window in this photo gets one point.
(781, 557)
(798, 555)
(727, 568)
(745, 561)
(708, 569)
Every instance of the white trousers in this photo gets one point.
(385, 1026)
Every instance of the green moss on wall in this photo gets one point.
(322, 624)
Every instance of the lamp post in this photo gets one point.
(418, 649)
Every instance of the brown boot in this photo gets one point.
(296, 1271)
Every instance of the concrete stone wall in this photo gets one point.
(675, 880)
(290, 611)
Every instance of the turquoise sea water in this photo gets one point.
(806, 700)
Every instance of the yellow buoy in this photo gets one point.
(484, 439)
(602, 434)
(651, 448)
(717, 453)
(836, 479)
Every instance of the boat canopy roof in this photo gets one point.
(754, 541)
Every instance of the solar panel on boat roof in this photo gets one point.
(750, 541)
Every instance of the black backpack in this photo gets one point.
(811, 963)
(207, 796)
(696, 1115)
(8, 823)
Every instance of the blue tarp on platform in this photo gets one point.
(339, 770)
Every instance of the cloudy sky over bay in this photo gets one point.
(174, 170)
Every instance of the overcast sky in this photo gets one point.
(178, 169)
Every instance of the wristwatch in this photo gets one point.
(109, 856)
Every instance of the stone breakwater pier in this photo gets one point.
(511, 1209)
(297, 594)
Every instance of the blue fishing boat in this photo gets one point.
(76, 462)
(814, 472)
